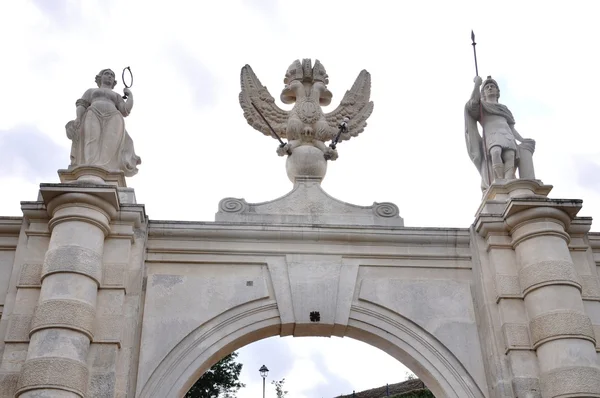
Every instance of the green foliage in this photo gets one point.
(279, 388)
(221, 380)
(425, 393)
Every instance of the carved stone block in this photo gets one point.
(108, 329)
(516, 336)
(102, 385)
(557, 324)
(71, 314)
(8, 383)
(527, 387)
(576, 381)
(31, 275)
(507, 286)
(54, 372)
(590, 287)
(113, 275)
(548, 272)
(75, 259)
(19, 326)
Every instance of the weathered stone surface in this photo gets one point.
(495, 152)
(306, 127)
(98, 134)
(308, 203)
(53, 372)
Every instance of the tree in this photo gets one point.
(279, 388)
(222, 379)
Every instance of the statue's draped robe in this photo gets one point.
(101, 139)
(474, 111)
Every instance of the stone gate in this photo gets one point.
(99, 301)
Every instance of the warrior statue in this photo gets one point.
(306, 127)
(496, 155)
(98, 132)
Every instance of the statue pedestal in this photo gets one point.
(99, 177)
(92, 175)
(306, 162)
(501, 191)
(537, 288)
(308, 203)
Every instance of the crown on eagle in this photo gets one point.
(306, 72)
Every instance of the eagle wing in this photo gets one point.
(355, 105)
(255, 94)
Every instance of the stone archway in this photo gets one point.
(399, 337)
(508, 308)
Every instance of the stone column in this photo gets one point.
(526, 149)
(561, 332)
(61, 332)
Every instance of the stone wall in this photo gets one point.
(507, 308)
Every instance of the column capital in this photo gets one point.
(95, 204)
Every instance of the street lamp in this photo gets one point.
(263, 373)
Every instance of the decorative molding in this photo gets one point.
(19, 326)
(109, 177)
(516, 336)
(233, 205)
(68, 314)
(73, 259)
(30, 276)
(527, 387)
(53, 372)
(561, 324)
(507, 286)
(108, 329)
(308, 203)
(450, 237)
(8, 383)
(576, 381)
(386, 210)
(590, 287)
(549, 272)
(114, 276)
(11, 225)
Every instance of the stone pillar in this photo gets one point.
(531, 291)
(561, 331)
(526, 170)
(61, 330)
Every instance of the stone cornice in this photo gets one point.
(103, 196)
(173, 230)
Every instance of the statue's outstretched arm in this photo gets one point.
(476, 94)
(125, 106)
(129, 101)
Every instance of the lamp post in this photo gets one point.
(263, 373)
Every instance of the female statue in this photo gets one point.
(98, 132)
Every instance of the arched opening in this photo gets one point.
(312, 367)
(410, 344)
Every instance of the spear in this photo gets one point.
(474, 52)
(272, 130)
(342, 128)
(485, 157)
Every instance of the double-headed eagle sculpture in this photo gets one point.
(306, 124)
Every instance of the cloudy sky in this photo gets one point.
(196, 147)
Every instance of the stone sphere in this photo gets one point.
(306, 161)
